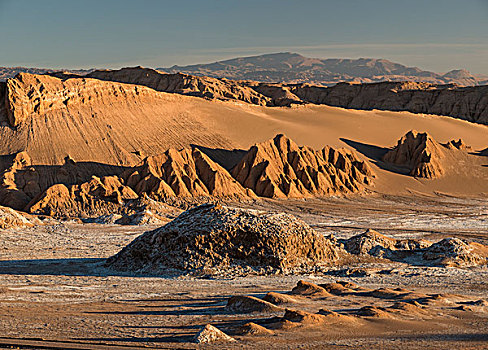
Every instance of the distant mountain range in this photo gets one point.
(287, 67)
(290, 67)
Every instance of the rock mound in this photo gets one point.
(211, 334)
(279, 168)
(278, 298)
(211, 236)
(373, 311)
(419, 153)
(370, 242)
(447, 252)
(304, 318)
(252, 328)
(335, 288)
(249, 304)
(309, 289)
(184, 173)
(456, 252)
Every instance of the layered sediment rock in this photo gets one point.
(211, 236)
(279, 168)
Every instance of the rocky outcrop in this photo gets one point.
(252, 328)
(210, 334)
(15, 189)
(419, 153)
(279, 168)
(10, 218)
(184, 173)
(456, 252)
(214, 237)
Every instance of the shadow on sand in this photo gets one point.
(375, 155)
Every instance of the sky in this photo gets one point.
(437, 35)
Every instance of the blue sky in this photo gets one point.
(438, 35)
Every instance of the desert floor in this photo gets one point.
(55, 292)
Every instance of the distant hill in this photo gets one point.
(290, 67)
(10, 72)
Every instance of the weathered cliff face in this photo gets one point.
(468, 103)
(279, 168)
(98, 121)
(32, 96)
(184, 84)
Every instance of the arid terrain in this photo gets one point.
(140, 209)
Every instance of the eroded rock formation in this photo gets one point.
(468, 103)
(421, 156)
(419, 153)
(279, 168)
(95, 197)
(184, 173)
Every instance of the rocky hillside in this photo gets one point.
(290, 67)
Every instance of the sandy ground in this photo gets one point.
(55, 292)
